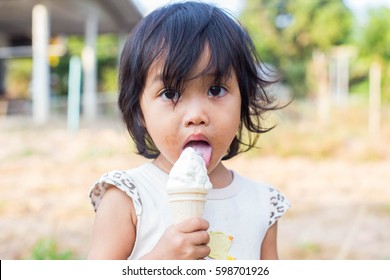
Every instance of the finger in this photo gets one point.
(192, 224)
(202, 251)
(201, 237)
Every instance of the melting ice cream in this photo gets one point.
(189, 171)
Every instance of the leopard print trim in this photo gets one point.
(279, 206)
(119, 179)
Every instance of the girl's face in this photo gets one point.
(205, 114)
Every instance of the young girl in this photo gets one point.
(189, 76)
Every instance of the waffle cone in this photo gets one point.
(186, 203)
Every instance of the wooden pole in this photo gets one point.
(41, 70)
(374, 115)
(320, 64)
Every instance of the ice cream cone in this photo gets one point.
(186, 202)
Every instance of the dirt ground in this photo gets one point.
(341, 207)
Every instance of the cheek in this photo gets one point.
(234, 116)
(170, 141)
(230, 131)
(234, 121)
(163, 136)
(228, 128)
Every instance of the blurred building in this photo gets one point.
(26, 30)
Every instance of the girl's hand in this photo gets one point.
(184, 241)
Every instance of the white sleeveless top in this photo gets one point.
(239, 214)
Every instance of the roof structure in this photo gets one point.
(68, 17)
(26, 27)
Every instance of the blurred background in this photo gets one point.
(329, 154)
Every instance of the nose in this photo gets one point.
(196, 113)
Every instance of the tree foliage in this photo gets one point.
(286, 32)
(374, 44)
(374, 39)
(106, 54)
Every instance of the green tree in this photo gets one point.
(287, 32)
(375, 35)
(107, 57)
(374, 44)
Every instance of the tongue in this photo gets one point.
(203, 149)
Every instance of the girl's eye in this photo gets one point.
(217, 91)
(170, 95)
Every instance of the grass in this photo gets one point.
(25, 153)
(382, 209)
(308, 250)
(47, 249)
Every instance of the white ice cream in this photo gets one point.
(189, 171)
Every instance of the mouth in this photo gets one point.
(202, 147)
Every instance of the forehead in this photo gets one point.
(163, 62)
(169, 72)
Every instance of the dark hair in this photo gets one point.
(179, 33)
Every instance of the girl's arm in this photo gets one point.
(114, 233)
(269, 246)
(114, 229)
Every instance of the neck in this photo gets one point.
(220, 176)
